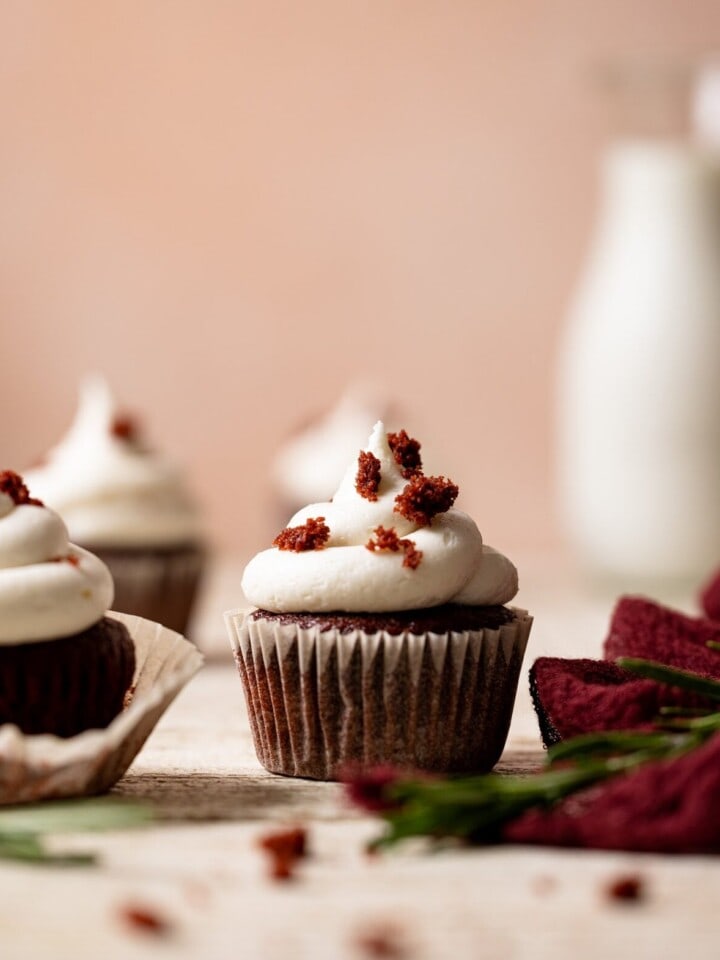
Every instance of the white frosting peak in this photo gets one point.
(345, 575)
(49, 588)
(110, 491)
(309, 465)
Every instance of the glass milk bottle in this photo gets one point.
(639, 368)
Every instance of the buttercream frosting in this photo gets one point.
(49, 588)
(310, 465)
(110, 490)
(455, 567)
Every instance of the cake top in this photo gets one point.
(108, 485)
(49, 588)
(390, 539)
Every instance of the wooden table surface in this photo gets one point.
(199, 867)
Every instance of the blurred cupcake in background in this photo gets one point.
(128, 505)
(312, 462)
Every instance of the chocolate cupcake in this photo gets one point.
(123, 502)
(64, 666)
(379, 632)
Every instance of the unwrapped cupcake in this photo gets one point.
(128, 505)
(379, 632)
(64, 666)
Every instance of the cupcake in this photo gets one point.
(64, 666)
(309, 466)
(125, 503)
(379, 632)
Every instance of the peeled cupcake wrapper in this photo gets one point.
(41, 767)
(320, 701)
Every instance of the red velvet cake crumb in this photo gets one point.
(367, 481)
(145, 919)
(284, 848)
(311, 535)
(125, 427)
(387, 539)
(629, 887)
(383, 940)
(424, 497)
(13, 485)
(406, 452)
(71, 559)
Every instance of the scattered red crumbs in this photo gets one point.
(387, 539)
(125, 427)
(629, 887)
(406, 452)
(145, 919)
(382, 941)
(312, 535)
(284, 848)
(71, 559)
(424, 497)
(13, 485)
(710, 597)
(367, 480)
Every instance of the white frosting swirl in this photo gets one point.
(309, 466)
(49, 588)
(344, 575)
(110, 492)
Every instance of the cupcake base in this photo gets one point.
(155, 583)
(67, 685)
(328, 692)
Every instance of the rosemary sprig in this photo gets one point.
(476, 808)
(24, 829)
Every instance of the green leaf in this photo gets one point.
(671, 676)
(73, 816)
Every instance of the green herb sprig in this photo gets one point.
(476, 808)
(24, 829)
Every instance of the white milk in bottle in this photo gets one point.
(639, 371)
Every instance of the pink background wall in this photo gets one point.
(234, 208)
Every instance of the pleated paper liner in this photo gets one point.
(158, 584)
(42, 767)
(320, 701)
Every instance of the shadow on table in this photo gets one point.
(200, 796)
(260, 796)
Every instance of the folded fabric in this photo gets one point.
(643, 628)
(668, 806)
(710, 597)
(573, 697)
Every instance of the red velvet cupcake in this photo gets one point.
(129, 506)
(64, 666)
(379, 633)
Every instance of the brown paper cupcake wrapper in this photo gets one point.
(319, 701)
(159, 585)
(42, 767)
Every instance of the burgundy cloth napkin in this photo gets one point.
(668, 806)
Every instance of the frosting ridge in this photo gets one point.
(49, 588)
(109, 489)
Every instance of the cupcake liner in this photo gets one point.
(160, 585)
(319, 701)
(41, 767)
